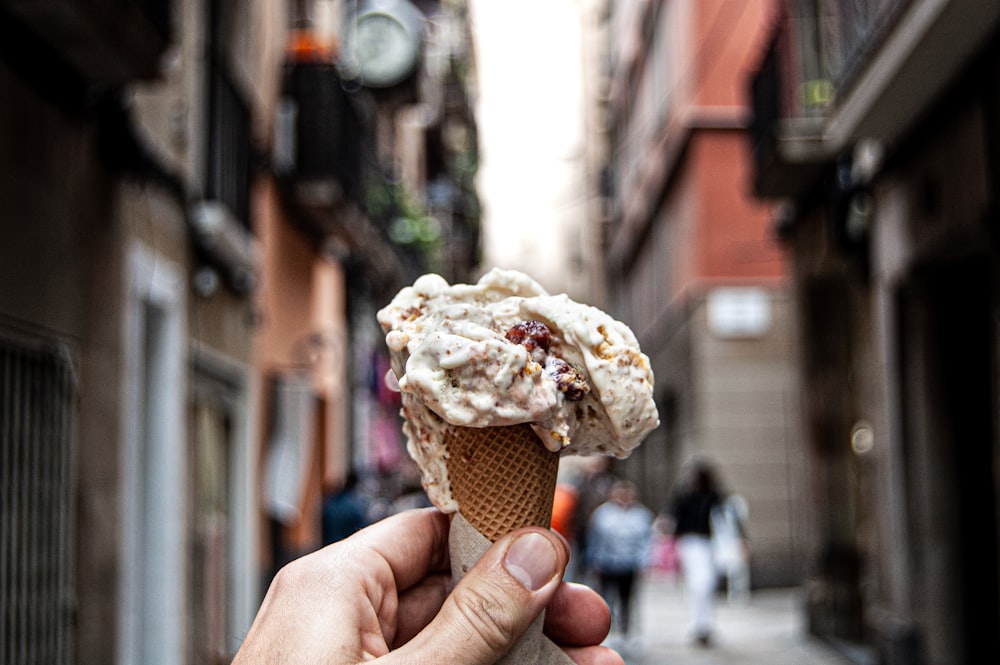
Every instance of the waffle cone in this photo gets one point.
(503, 478)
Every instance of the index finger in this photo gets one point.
(413, 543)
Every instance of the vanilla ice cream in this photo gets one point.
(503, 352)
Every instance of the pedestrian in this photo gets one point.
(411, 492)
(345, 511)
(411, 496)
(592, 485)
(563, 510)
(688, 519)
(731, 547)
(386, 594)
(618, 545)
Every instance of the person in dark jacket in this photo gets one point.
(688, 518)
(344, 511)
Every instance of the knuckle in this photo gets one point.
(290, 575)
(485, 615)
(302, 571)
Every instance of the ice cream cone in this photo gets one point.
(505, 350)
(503, 478)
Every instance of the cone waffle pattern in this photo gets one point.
(502, 477)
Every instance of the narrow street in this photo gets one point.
(787, 210)
(768, 630)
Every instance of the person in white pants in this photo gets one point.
(688, 518)
(700, 582)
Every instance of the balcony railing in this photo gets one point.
(787, 97)
(221, 223)
(319, 139)
(816, 54)
(229, 144)
(850, 32)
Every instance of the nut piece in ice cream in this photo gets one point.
(504, 352)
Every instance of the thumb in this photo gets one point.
(495, 603)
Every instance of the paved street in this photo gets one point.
(768, 630)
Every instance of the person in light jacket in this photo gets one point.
(618, 545)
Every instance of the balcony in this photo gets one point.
(318, 139)
(781, 121)
(856, 72)
(105, 42)
(323, 157)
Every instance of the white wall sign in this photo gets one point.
(739, 312)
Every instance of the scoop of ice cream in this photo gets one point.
(503, 352)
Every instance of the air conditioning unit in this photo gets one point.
(227, 243)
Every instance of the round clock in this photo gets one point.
(387, 42)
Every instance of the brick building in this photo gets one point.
(694, 266)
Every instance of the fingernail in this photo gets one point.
(531, 560)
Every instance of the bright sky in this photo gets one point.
(531, 134)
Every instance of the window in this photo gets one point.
(37, 392)
(229, 130)
(222, 580)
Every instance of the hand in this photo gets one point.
(383, 594)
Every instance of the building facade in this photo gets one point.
(876, 133)
(203, 203)
(373, 166)
(695, 268)
(128, 265)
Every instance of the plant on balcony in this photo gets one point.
(406, 221)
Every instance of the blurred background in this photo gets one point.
(795, 204)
